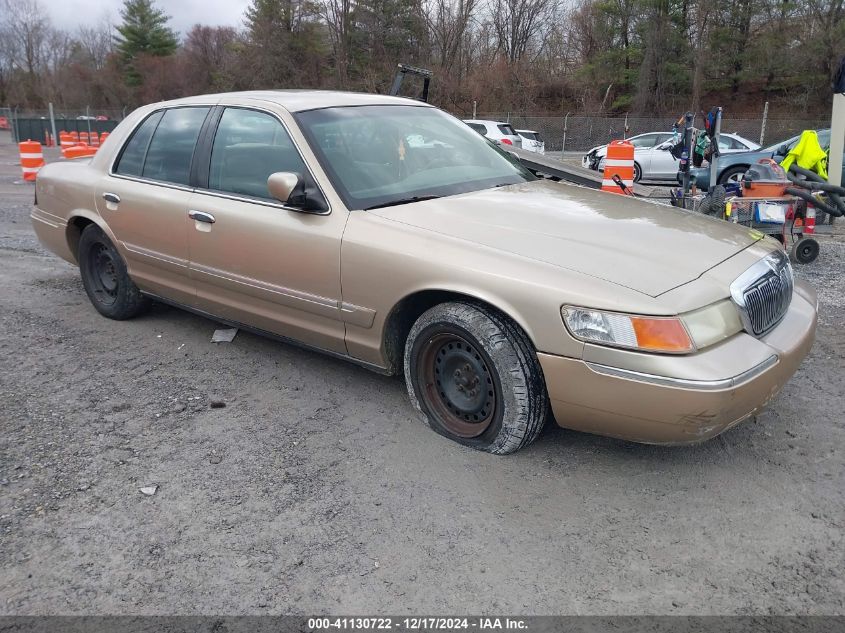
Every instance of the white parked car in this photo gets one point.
(531, 141)
(656, 162)
(498, 131)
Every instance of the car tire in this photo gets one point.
(732, 174)
(105, 278)
(495, 399)
(638, 172)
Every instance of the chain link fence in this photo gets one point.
(111, 114)
(580, 133)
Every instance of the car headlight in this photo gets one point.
(645, 333)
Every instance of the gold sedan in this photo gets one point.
(389, 233)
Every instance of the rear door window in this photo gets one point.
(506, 129)
(131, 161)
(248, 147)
(172, 147)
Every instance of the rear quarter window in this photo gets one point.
(131, 161)
(506, 129)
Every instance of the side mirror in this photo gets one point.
(304, 195)
(281, 185)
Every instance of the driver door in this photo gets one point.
(255, 260)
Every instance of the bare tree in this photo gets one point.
(96, 43)
(448, 22)
(338, 17)
(518, 25)
(210, 58)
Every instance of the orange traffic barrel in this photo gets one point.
(83, 137)
(74, 137)
(103, 137)
(78, 151)
(65, 139)
(619, 161)
(32, 159)
(94, 141)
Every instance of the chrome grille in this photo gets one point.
(763, 293)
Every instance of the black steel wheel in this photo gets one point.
(805, 250)
(474, 376)
(458, 384)
(104, 276)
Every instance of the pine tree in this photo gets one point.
(144, 31)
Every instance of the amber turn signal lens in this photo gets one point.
(661, 335)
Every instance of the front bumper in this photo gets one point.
(690, 403)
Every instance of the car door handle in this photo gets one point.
(111, 197)
(201, 216)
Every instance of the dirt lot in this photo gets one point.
(317, 490)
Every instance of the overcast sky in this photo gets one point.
(184, 14)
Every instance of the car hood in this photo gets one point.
(648, 247)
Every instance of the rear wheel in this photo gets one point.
(733, 174)
(475, 378)
(105, 278)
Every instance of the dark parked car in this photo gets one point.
(733, 166)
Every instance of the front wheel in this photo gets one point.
(638, 172)
(105, 278)
(474, 377)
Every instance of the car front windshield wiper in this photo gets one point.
(394, 203)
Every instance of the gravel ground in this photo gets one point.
(315, 489)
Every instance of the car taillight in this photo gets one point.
(507, 141)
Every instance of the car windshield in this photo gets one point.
(647, 140)
(384, 155)
(824, 141)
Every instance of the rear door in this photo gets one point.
(255, 260)
(144, 200)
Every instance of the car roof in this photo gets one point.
(301, 100)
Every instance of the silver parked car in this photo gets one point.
(591, 159)
(498, 131)
(657, 162)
